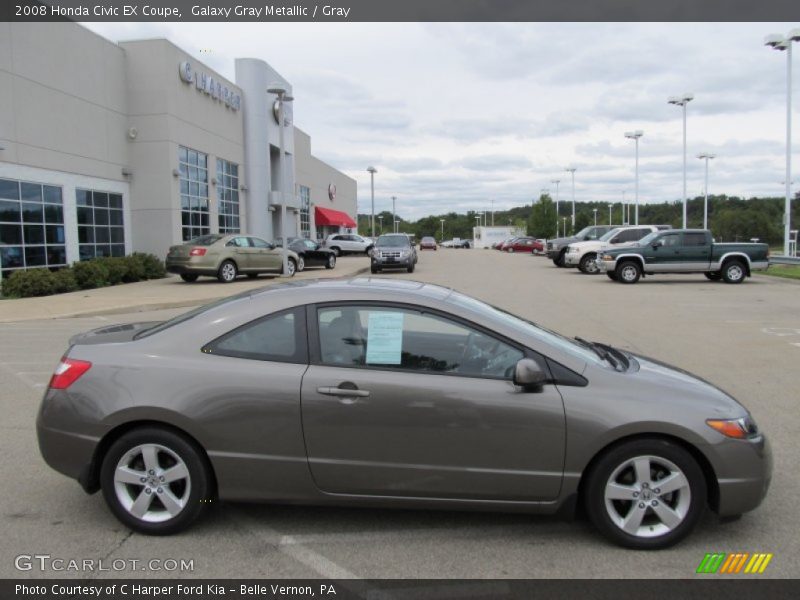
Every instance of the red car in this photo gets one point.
(427, 243)
(523, 244)
(501, 245)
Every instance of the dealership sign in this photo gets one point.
(209, 85)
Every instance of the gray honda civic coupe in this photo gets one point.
(372, 392)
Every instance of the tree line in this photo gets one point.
(730, 218)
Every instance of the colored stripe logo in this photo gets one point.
(734, 563)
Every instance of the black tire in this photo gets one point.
(734, 271)
(336, 251)
(612, 275)
(195, 492)
(374, 270)
(252, 275)
(368, 251)
(189, 277)
(713, 275)
(560, 261)
(292, 267)
(688, 503)
(411, 267)
(227, 271)
(331, 262)
(588, 265)
(301, 264)
(629, 272)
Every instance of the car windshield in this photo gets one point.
(584, 232)
(205, 240)
(427, 240)
(546, 336)
(648, 238)
(609, 235)
(393, 241)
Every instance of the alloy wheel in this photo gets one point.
(647, 496)
(228, 271)
(152, 483)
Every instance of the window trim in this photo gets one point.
(315, 353)
(300, 356)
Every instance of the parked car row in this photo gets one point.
(626, 254)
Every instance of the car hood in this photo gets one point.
(111, 335)
(688, 387)
(562, 241)
(588, 245)
(618, 251)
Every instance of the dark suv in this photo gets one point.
(393, 251)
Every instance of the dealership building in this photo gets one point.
(111, 148)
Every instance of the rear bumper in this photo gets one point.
(68, 453)
(184, 267)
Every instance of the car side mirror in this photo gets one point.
(657, 243)
(528, 374)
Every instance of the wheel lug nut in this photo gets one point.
(148, 491)
(655, 502)
(143, 479)
(159, 490)
(152, 472)
(641, 504)
(657, 490)
(635, 494)
(162, 479)
(644, 485)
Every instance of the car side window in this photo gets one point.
(239, 242)
(671, 240)
(694, 239)
(259, 243)
(279, 337)
(396, 338)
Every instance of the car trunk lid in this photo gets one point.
(111, 335)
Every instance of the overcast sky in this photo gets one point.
(454, 116)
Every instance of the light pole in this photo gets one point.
(380, 221)
(779, 42)
(280, 92)
(556, 181)
(442, 222)
(564, 220)
(609, 213)
(706, 156)
(595, 216)
(372, 170)
(394, 214)
(572, 170)
(396, 226)
(492, 212)
(626, 211)
(682, 101)
(635, 135)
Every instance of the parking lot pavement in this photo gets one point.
(170, 292)
(742, 337)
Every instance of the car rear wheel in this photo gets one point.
(646, 494)
(227, 271)
(510, 251)
(189, 277)
(713, 276)
(252, 275)
(588, 264)
(155, 481)
(612, 275)
(733, 272)
(629, 272)
(331, 262)
(301, 264)
(336, 251)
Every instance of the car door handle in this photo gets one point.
(335, 391)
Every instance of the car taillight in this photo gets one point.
(67, 372)
(197, 252)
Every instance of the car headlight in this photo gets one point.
(742, 428)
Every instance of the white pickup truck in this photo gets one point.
(584, 254)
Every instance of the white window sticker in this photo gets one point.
(385, 338)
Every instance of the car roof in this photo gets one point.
(317, 288)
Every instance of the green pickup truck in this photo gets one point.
(684, 251)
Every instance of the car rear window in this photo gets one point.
(188, 315)
(205, 240)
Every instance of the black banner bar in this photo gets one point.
(401, 10)
(711, 587)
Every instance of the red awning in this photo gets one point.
(328, 216)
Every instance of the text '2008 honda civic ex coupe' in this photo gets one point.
(393, 394)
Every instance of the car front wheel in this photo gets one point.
(291, 268)
(155, 481)
(588, 264)
(227, 271)
(646, 494)
(629, 272)
(331, 262)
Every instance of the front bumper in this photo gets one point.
(744, 473)
(606, 266)
(391, 262)
(572, 260)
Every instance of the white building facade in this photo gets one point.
(107, 149)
